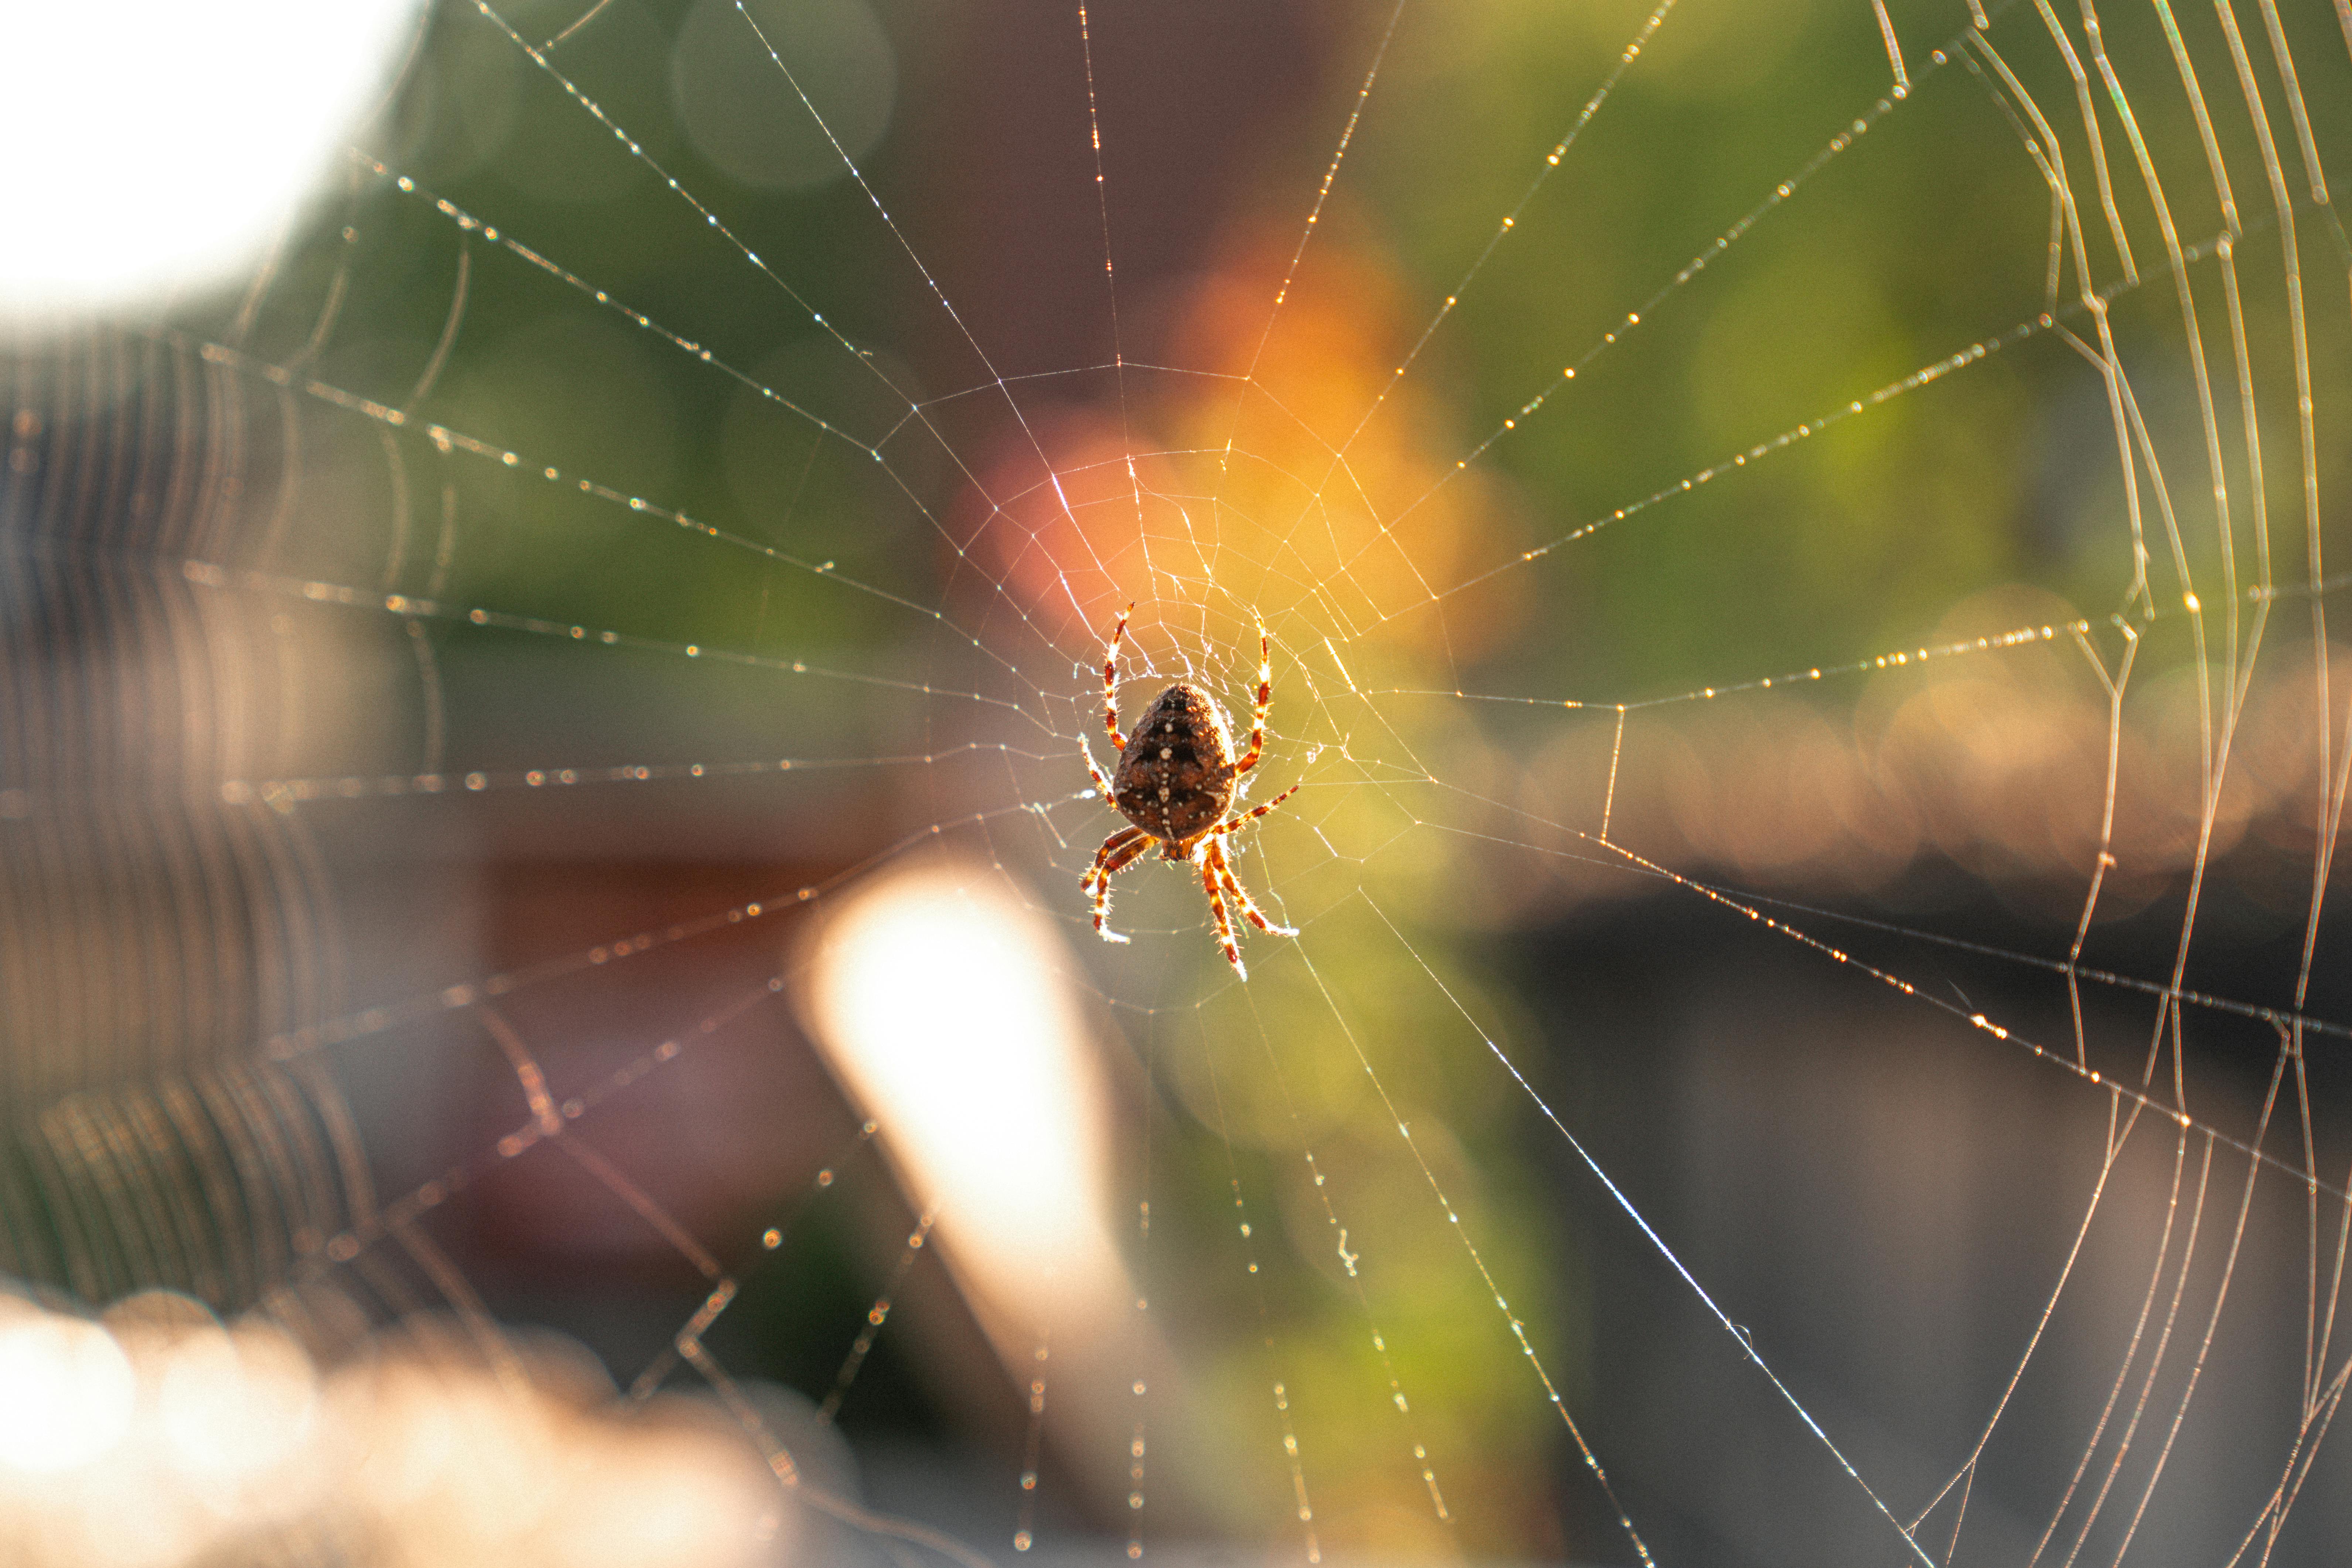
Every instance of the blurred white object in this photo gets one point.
(946, 1007)
(160, 1437)
(66, 1390)
(160, 145)
(937, 998)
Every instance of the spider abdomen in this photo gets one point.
(1175, 780)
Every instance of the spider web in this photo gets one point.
(1793, 552)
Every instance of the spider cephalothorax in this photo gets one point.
(1175, 780)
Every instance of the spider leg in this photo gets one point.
(1110, 684)
(1102, 784)
(1121, 850)
(1224, 922)
(1234, 890)
(1235, 824)
(1264, 696)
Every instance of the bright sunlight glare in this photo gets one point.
(156, 146)
(65, 1391)
(939, 1001)
(159, 1436)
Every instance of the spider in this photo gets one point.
(1175, 782)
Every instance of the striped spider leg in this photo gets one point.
(1217, 879)
(1209, 859)
(1110, 689)
(1120, 851)
(1248, 758)
(1215, 853)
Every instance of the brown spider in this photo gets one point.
(1175, 782)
